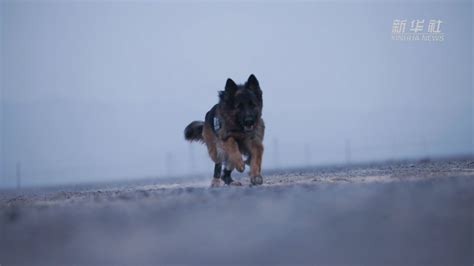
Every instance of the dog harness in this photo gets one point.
(213, 121)
(216, 124)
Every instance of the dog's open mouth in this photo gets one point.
(249, 128)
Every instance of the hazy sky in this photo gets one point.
(102, 90)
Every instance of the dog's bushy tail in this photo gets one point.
(193, 132)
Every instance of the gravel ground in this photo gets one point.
(399, 213)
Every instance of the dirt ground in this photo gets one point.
(396, 213)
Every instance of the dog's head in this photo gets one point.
(243, 102)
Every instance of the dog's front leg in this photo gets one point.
(256, 153)
(231, 148)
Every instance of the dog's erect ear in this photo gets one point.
(228, 93)
(230, 87)
(252, 84)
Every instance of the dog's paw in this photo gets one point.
(237, 163)
(216, 182)
(230, 182)
(235, 183)
(256, 180)
(240, 165)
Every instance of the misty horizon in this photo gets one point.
(102, 91)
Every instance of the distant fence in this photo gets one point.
(278, 154)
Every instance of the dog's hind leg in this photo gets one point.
(217, 170)
(215, 154)
(216, 180)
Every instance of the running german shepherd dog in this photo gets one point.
(232, 128)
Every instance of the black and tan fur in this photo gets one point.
(233, 128)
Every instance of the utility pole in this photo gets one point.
(192, 160)
(348, 151)
(169, 164)
(424, 146)
(276, 151)
(18, 175)
(307, 154)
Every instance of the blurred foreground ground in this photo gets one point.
(405, 213)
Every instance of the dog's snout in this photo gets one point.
(248, 121)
